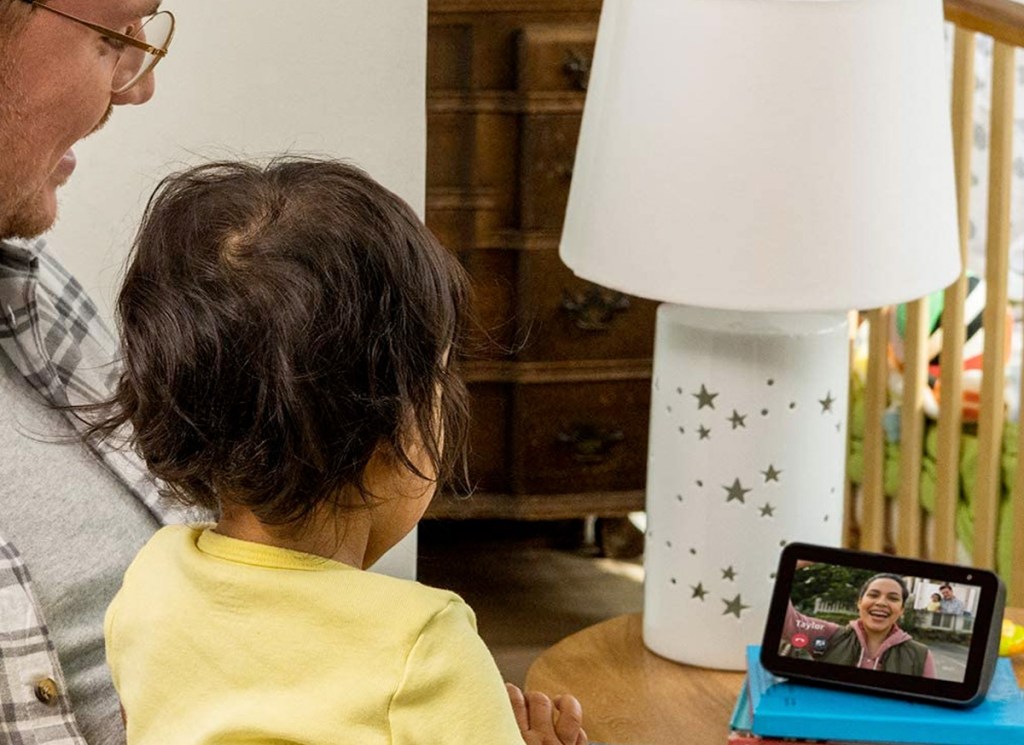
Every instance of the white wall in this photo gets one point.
(248, 78)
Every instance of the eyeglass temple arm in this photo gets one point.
(110, 33)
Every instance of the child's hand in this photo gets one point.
(544, 722)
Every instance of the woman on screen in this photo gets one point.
(873, 641)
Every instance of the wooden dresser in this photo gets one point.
(560, 369)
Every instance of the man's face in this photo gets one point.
(55, 89)
(947, 593)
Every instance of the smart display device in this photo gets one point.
(884, 624)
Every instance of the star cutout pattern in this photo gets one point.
(704, 398)
(736, 492)
(734, 606)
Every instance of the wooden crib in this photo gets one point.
(874, 522)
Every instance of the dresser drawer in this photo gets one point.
(462, 219)
(548, 155)
(449, 148)
(563, 317)
(493, 334)
(555, 57)
(469, 147)
(577, 437)
(489, 453)
(450, 56)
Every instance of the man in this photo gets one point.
(71, 516)
(950, 603)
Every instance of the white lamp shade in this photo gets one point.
(765, 155)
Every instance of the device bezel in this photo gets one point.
(984, 640)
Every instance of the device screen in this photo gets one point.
(893, 623)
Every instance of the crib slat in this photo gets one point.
(915, 361)
(873, 514)
(1015, 588)
(850, 528)
(947, 491)
(990, 422)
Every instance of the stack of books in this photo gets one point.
(774, 711)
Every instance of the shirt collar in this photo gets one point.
(21, 254)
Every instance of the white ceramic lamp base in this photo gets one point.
(747, 453)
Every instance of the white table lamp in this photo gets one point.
(762, 167)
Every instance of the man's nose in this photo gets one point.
(138, 93)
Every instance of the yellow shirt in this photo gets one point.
(216, 640)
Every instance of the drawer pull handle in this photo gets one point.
(577, 69)
(595, 308)
(590, 444)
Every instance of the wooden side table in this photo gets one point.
(630, 696)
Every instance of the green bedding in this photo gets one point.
(968, 475)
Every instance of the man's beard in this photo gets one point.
(22, 210)
(22, 221)
(6, 68)
(13, 220)
(22, 214)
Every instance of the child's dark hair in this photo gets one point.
(280, 323)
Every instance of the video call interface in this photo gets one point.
(892, 623)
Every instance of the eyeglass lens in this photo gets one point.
(135, 63)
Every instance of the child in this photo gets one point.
(289, 335)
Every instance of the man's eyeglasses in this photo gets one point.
(139, 49)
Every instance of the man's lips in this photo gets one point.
(66, 165)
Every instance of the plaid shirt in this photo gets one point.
(50, 330)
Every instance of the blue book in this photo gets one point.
(742, 722)
(781, 708)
